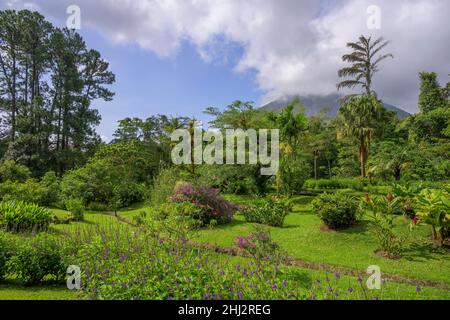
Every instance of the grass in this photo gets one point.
(304, 239)
(13, 291)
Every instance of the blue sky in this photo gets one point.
(181, 85)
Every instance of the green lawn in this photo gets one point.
(48, 292)
(304, 238)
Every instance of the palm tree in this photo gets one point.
(358, 118)
(365, 63)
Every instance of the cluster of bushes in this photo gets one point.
(333, 184)
(271, 212)
(337, 211)
(19, 216)
(16, 184)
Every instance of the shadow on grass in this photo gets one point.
(361, 227)
(425, 251)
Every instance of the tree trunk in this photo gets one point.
(363, 157)
(13, 98)
(315, 166)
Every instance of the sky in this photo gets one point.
(179, 57)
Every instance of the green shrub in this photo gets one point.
(30, 191)
(293, 173)
(51, 186)
(6, 251)
(76, 208)
(36, 259)
(20, 216)
(11, 171)
(333, 184)
(164, 185)
(97, 207)
(383, 210)
(270, 212)
(337, 211)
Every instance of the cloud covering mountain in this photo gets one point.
(292, 46)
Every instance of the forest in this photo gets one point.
(366, 180)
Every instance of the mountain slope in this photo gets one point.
(314, 104)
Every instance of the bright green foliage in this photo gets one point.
(434, 210)
(338, 211)
(323, 184)
(21, 216)
(391, 159)
(432, 96)
(271, 212)
(6, 251)
(359, 119)
(11, 171)
(76, 208)
(383, 211)
(31, 191)
(293, 173)
(37, 258)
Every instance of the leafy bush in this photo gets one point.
(292, 174)
(260, 246)
(11, 171)
(271, 212)
(383, 210)
(434, 210)
(21, 216)
(101, 182)
(76, 208)
(164, 185)
(97, 206)
(30, 191)
(337, 211)
(207, 199)
(51, 185)
(334, 184)
(37, 258)
(6, 251)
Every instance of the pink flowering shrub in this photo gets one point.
(213, 208)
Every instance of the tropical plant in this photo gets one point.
(21, 216)
(358, 118)
(383, 211)
(433, 208)
(365, 60)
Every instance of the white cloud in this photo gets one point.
(294, 46)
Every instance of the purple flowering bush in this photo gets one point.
(117, 265)
(260, 246)
(213, 209)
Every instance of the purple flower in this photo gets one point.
(360, 280)
(285, 283)
(274, 287)
(337, 275)
(418, 289)
(240, 296)
(350, 290)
